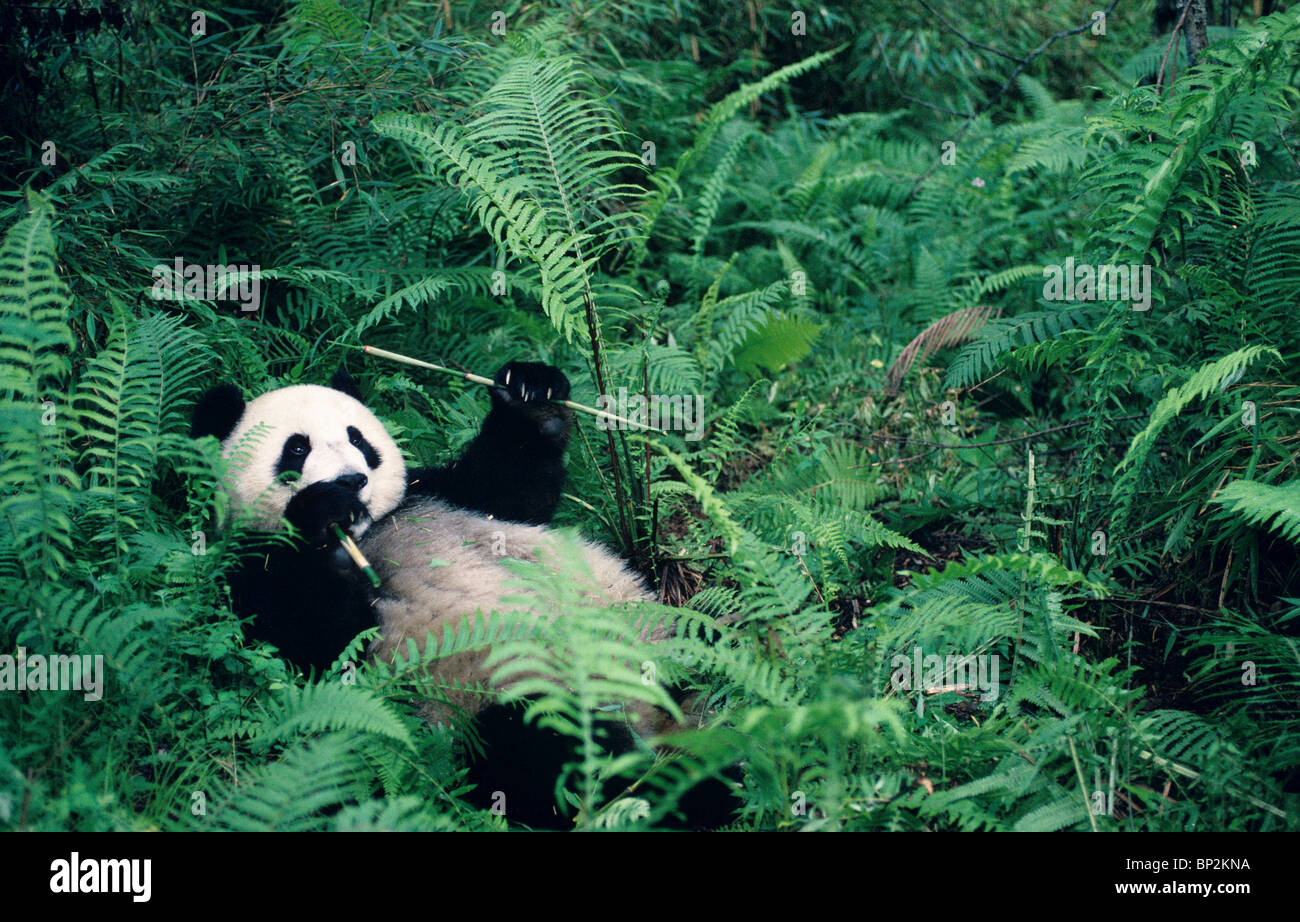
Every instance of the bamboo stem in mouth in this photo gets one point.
(357, 557)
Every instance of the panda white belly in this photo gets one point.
(438, 563)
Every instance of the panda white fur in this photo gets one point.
(418, 598)
(310, 601)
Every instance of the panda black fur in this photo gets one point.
(310, 602)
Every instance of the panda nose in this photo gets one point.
(352, 481)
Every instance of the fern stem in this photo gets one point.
(1083, 789)
(598, 368)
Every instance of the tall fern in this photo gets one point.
(37, 482)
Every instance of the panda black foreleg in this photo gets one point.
(301, 602)
(514, 468)
(307, 599)
(521, 761)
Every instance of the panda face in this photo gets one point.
(318, 434)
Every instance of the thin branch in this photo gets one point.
(969, 41)
(907, 439)
(1021, 64)
(1173, 37)
(884, 57)
(1028, 59)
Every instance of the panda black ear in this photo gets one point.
(342, 381)
(217, 412)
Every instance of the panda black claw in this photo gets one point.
(528, 387)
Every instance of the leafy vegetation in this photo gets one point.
(840, 237)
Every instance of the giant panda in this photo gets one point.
(310, 601)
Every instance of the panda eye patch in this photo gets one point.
(367, 450)
(294, 453)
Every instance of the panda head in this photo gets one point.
(318, 433)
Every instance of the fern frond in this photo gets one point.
(711, 197)
(1274, 507)
(1212, 376)
(135, 391)
(293, 793)
(36, 480)
(718, 115)
(977, 359)
(949, 330)
(508, 211)
(330, 705)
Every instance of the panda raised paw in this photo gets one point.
(530, 389)
(520, 383)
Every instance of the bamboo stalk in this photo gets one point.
(488, 382)
(357, 557)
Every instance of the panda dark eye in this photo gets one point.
(360, 444)
(293, 456)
